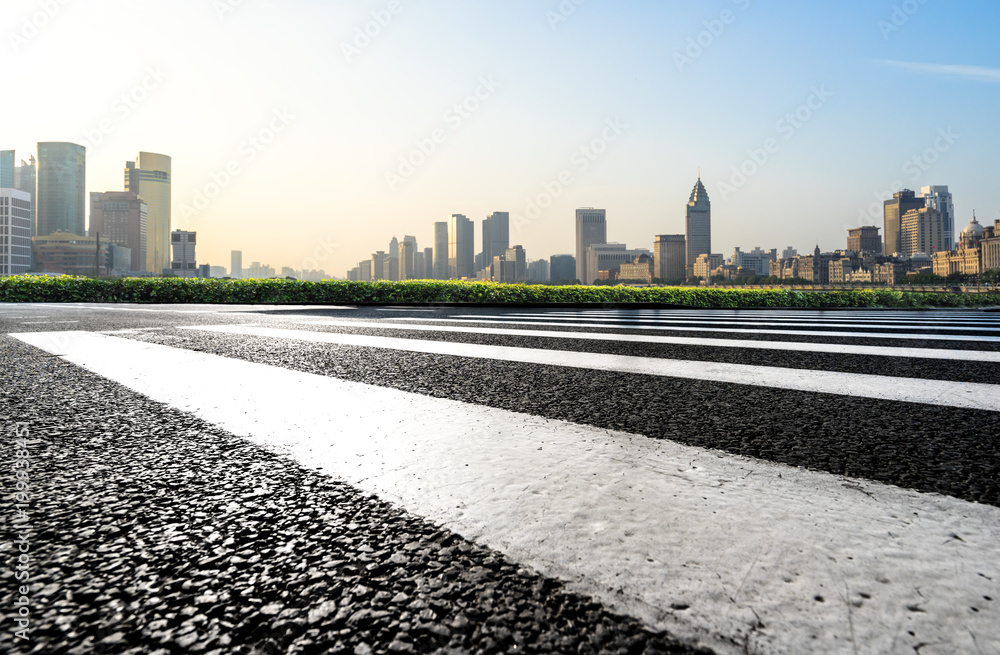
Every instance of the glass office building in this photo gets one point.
(60, 198)
(149, 178)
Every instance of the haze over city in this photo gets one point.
(338, 127)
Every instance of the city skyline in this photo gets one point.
(774, 117)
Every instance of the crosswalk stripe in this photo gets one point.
(705, 544)
(972, 395)
(494, 320)
(772, 316)
(798, 346)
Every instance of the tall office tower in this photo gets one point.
(441, 250)
(15, 226)
(591, 230)
(6, 169)
(119, 217)
(24, 180)
(379, 268)
(562, 268)
(428, 263)
(183, 263)
(461, 247)
(893, 212)
(237, 265)
(865, 240)
(518, 262)
(393, 273)
(419, 270)
(60, 197)
(496, 236)
(939, 198)
(699, 226)
(921, 231)
(669, 253)
(149, 178)
(407, 258)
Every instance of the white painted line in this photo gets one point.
(48, 322)
(642, 525)
(671, 328)
(777, 320)
(970, 395)
(797, 346)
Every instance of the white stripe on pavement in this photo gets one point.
(675, 328)
(797, 346)
(766, 558)
(971, 395)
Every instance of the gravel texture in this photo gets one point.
(153, 532)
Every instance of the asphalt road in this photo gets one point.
(275, 479)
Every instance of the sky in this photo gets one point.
(308, 133)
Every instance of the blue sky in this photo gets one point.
(287, 129)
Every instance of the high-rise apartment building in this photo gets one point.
(921, 231)
(939, 198)
(441, 250)
(380, 266)
(562, 268)
(6, 169)
(429, 264)
(893, 212)
(15, 232)
(461, 247)
(149, 177)
(183, 263)
(698, 226)
(119, 217)
(407, 258)
(60, 183)
(496, 236)
(669, 253)
(591, 230)
(392, 274)
(236, 271)
(865, 240)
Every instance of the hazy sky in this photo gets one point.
(623, 101)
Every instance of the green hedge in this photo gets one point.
(176, 290)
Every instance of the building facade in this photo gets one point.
(865, 240)
(461, 247)
(119, 217)
(640, 269)
(939, 198)
(610, 256)
(705, 263)
(184, 263)
(63, 253)
(698, 226)
(921, 231)
(755, 262)
(562, 268)
(60, 183)
(6, 169)
(670, 256)
(149, 177)
(496, 236)
(236, 259)
(591, 230)
(15, 232)
(25, 179)
(893, 212)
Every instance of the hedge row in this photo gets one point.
(176, 290)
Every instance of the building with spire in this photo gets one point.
(698, 226)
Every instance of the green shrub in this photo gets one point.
(178, 290)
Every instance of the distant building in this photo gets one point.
(591, 230)
(939, 198)
(705, 263)
(407, 258)
(441, 250)
(15, 232)
(429, 264)
(258, 271)
(365, 269)
(380, 266)
(538, 270)
(461, 247)
(699, 226)
(865, 240)
(893, 212)
(236, 272)
(640, 269)
(562, 268)
(119, 217)
(755, 262)
(60, 199)
(183, 263)
(71, 254)
(607, 256)
(921, 231)
(419, 270)
(6, 169)
(496, 236)
(989, 246)
(789, 252)
(977, 251)
(25, 178)
(393, 272)
(149, 177)
(669, 257)
(217, 271)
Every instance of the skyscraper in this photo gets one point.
(429, 264)
(440, 265)
(408, 258)
(939, 198)
(496, 236)
(149, 178)
(591, 230)
(24, 180)
(921, 231)
(699, 226)
(893, 212)
(393, 273)
(562, 268)
(184, 263)
(60, 197)
(15, 245)
(461, 247)
(237, 265)
(119, 217)
(6, 169)
(669, 253)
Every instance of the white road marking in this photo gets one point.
(971, 395)
(643, 525)
(797, 346)
(677, 328)
(48, 322)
